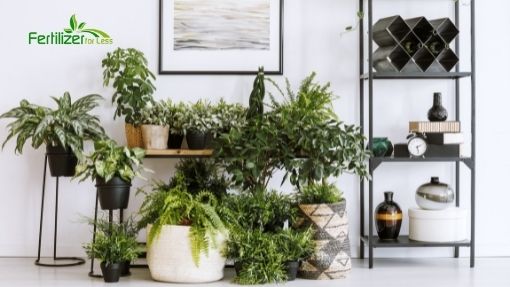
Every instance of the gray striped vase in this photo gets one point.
(332, 258)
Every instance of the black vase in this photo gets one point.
(62, 161)
(175, 141)
(437, 113)
(292, 269)
(388, 218)
(113, 194)
(111, 272)
(196, 140)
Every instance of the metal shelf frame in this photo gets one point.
(371, 241)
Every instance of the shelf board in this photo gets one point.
(178, 153)
(419, 159)
(423, 75)
(404, 241)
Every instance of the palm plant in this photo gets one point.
(67, 126)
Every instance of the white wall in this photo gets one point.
(313, 42)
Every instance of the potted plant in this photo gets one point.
(198, 124)
(132, 81)
(113, 247)
(295, 246)
(113, 168)
(228, 116)
(176, 120)
(155, 130)
(63, 130)
(185, 235)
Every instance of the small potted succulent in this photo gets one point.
(113, 168)
(198, 124)
(185, 234)
(176, 119)
(63, 130)
(155, 130)
(132, 80)
(113, 247)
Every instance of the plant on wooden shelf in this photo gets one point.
(132, 81)
(184, 230)
(228, 116)
(114, 245)
(198, 124)
(63, 130)
(176, 122)
(113, 168)
(155, 131)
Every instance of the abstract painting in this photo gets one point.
(220, 36)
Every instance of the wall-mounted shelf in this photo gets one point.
(178, 153)
(367, 78)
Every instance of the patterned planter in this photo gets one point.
(332, 258)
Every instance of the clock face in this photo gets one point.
(417, 146)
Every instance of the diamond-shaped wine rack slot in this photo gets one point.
(414, 45)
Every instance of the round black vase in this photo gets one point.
(113, 194)
(175, 141)
(437, 113)
(62, 161)
(196, 140)
(388, 218)
(292, 269)
(111, 272)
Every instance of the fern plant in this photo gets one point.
(69, 125)
(109, 160)
(182, 208)
(132, 81)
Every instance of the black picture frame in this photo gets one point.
(161, 70)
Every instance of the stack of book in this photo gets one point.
(444, 139)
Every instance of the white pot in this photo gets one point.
(155, 137)
(448, 225)
(169, 258)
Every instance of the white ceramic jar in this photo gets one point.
(448, 225)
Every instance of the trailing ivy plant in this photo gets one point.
(182, 208)
(68, 126)
(109, 160)
(132, 81)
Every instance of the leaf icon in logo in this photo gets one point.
(67, 30)
(82, 24)
(80, 28)
(73, 23)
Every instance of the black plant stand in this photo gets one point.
(74, 260)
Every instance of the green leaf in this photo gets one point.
(68, 30)
(82, 24)
(73, 22)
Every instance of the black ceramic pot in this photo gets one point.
(238, 266)
(175, 141)
(437, 113)
(62, 161)
(292, 269)
(196, 140)
(124, 268)
(111, 272)
(113, 194)
(388, 218)
(209, 138)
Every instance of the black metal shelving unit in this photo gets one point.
(367, 78)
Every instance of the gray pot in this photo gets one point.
(434, 195)
(155, 137)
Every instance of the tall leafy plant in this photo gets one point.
(132, 81)
(69, 125)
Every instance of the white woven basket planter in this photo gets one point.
(169, 258)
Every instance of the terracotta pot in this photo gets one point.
(133, 136)
(332, 258)
(155, 137)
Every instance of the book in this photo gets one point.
(434, 127)
(445, 138)
(433, 150)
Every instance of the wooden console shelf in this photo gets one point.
(178, 153)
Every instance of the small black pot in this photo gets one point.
(113, 194)
(175, 141)
(209, 138)
(292, 269)
(238, 266)
(111, 272)
(62, 161)
(124, 268)
(196, 140)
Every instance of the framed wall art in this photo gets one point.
(225, 37)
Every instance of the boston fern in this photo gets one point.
(199, 212)
(109, 160)
(132, 81)
(68, 126)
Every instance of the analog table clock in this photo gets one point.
(417, 145)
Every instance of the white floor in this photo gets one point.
(489, 272)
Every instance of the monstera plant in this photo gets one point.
(63, 130)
